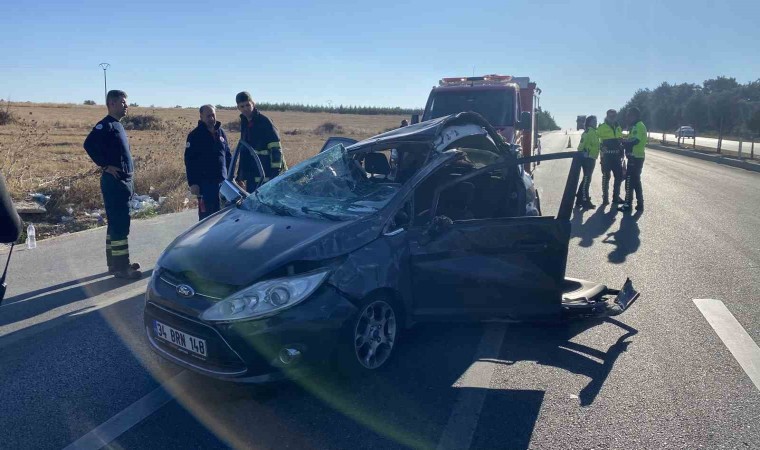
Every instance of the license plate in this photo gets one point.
(181, 339)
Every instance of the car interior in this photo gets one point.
(487, 196)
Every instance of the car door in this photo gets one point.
(506, 267)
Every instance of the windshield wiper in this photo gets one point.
(279, 210)
(322, 214)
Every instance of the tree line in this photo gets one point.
(545, 120)
(719, 106)
(341, 109)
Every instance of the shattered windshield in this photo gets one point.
(331, 186)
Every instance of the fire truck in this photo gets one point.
(508, 103)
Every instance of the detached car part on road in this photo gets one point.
(336, 256)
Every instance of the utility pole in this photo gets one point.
(105, 67)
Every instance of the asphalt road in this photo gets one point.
(73, 358)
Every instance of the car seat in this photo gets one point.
(376, 164)
(455, 201)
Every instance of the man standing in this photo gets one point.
(635, 144)
(610, 135)
(589, 145)
(258, 131)
(207, 157)
(108, 147)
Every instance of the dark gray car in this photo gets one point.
(331, 260)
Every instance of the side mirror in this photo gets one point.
(525, 121)
(439, 225)
(401, 219)
(230, 192)
(415, 119)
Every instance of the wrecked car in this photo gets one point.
(332, 259)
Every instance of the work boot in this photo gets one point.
(133, 266)
(588, 205)
(639, 207)
(618, 200)
(605, 201)
(130, 273)
(624, 207)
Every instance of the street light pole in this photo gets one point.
(105, 67)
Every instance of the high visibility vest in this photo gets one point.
(639, 131)
(589, 143)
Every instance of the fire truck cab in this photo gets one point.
(508, 103)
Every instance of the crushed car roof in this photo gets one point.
(429, 130)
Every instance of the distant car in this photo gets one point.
(685, 132)
(331, 259)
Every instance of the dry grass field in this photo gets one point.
(41, 151)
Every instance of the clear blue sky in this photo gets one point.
(586, 56)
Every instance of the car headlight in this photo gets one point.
(265, 298)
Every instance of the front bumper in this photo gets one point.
(250, 351)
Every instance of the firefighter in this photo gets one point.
(258, 131)
(610, 136)
(207, 157)
(634, 149)
(108, 147)
(589, 145)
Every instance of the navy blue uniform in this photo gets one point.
(263, 136)
(207, 157)
(108, 145)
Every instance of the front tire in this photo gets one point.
(371, 335)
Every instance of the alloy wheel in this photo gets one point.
(375, 334)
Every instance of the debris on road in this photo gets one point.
(142, 203)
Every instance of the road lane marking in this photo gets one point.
(733, 335)
(464, 417)
(135, 413)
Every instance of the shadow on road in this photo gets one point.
(596, 225)
(626, 239)
(408, 403)
(38, 302)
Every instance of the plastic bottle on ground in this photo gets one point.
(31, 237)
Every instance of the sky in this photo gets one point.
(585, 56)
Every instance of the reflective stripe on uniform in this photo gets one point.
(262, 152)
(124, 252)
(275, 144)
(276, 165)
(257, 179)
(119, 243)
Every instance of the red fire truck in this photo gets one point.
(508, 103)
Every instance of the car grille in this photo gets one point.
(202, 287)
(221, 360)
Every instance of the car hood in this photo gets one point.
(237, 247)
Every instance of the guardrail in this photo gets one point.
(741, 149)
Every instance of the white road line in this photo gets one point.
(733, 335)
(128, 418)
(464, 417)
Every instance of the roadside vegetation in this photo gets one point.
(41, 153)
(545, 120)
(341, 109)
(719, 107)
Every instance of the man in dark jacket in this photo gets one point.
(207, 157)
(258, 131)
(108, 147)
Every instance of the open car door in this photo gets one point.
(504, 267)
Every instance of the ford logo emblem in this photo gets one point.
(186, 291)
